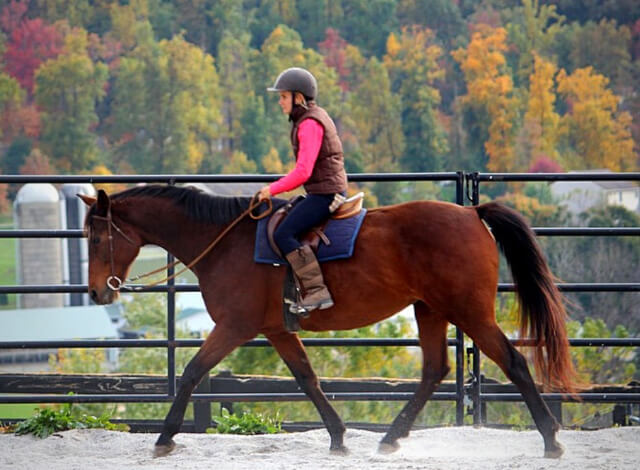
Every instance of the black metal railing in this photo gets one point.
(465, 185)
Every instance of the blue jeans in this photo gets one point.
(308, 213)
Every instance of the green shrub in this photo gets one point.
(47, 421)
(247, 423)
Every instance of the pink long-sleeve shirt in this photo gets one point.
(310, 134)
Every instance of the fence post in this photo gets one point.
(460, 393)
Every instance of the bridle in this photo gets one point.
(113, 282)
(116, 284)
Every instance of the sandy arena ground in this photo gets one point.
(442, 448)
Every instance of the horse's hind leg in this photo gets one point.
(432, 330)
(292, 352)
(492, 341)
(220, 342)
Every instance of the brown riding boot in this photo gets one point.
(307, 269)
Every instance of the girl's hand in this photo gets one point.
(264, 193)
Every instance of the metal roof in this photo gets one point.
(39, 324)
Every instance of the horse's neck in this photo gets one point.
(168, 227)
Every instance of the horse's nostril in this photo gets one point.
(94, 295)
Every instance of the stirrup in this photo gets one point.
(299, 310)
(304, 311)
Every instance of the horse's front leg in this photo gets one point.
(292, 352)
(220, 342)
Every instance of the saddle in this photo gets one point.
(349, 208)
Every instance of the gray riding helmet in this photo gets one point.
(296, 79)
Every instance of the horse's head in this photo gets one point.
(113, 247)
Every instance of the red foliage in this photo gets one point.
(545, 165)
(30, 44)
(12, 15)
(37, 163)
(333, 50)
(24, 120)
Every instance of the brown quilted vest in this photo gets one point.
(328, 174)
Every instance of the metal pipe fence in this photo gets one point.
(467, 189)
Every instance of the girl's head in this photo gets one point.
(297, 86)
(288, 100)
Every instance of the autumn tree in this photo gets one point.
(333, 49)
(37, 163)
(598, 133)
(67, 89)
(489, 90)
(539, 134)
(30, 44)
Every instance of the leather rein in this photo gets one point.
(116, 284)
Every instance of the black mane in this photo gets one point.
(197, 204)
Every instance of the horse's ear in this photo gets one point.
(103, 203)
(88, 200)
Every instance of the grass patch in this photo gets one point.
(16, 411)
(7, 270)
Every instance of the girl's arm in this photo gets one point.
(310, 134)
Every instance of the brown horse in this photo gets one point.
(440, 257)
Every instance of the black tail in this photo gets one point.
(541, 306)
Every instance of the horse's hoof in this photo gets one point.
(388, 448)
(160, 450)
(555, 452)
(341, 450)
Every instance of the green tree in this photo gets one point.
(168, 92)
(11, 95)
(412, 61)
(368, 23)
(375, 112)
(441, 16)
(533, 29)
(67, 89)
(243, 113)
(606, 47)
(255, 140)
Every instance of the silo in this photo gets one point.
(39, 260)
(76, 257)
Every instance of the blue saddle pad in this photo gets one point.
(342, 234)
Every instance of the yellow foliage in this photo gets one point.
(393, 45)
(102, 170)
(271, 162)
(530, 207)
(239, 163)
(597, 130)
(490, 87)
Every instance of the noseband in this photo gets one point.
(113, 282)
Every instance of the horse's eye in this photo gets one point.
(95, 240)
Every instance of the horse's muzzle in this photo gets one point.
(103, 297)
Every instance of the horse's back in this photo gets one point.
(416, 251)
